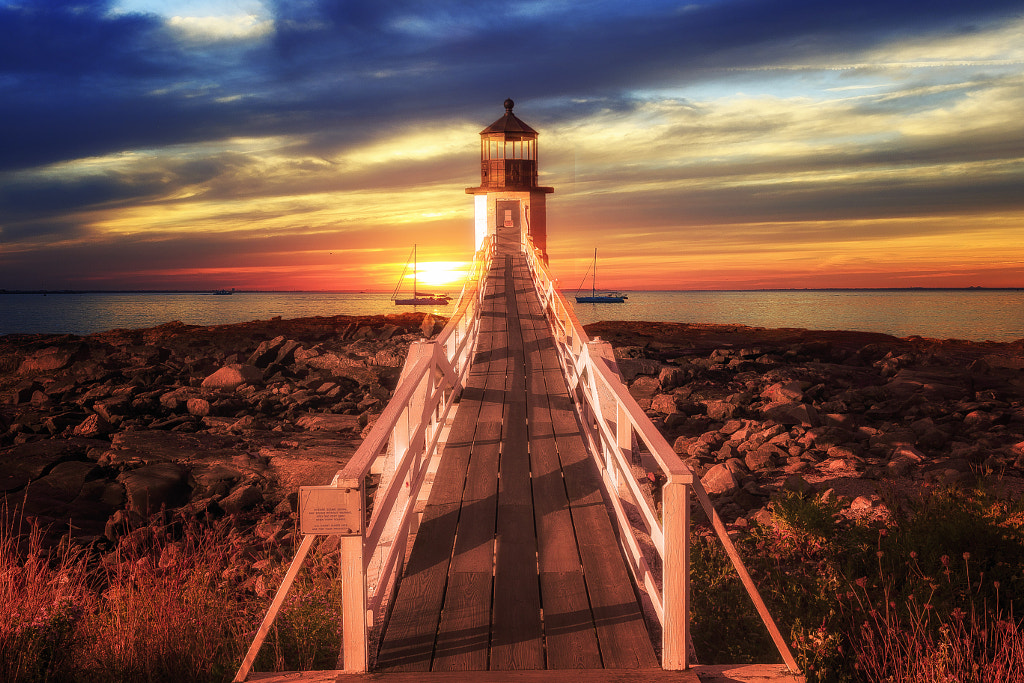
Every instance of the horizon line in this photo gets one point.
(569, 289)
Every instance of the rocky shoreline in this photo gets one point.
(100, 433)
(865, 418)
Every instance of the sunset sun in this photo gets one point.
(440, 273)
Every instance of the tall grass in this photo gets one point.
(175, 602)
(926, 598)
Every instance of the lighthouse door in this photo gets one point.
(507, 228)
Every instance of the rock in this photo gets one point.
(175, 399)
(682, 444)
(152, 487)
(112, 409)
(644, 388)
(70, 499)
(727, 451)
(736, 466)
(797, 484)
(664, 404)
(699, 449)
(893, 438)
(93, 427)
(861, 506)
(846, 451)
(46, 360)
(719, 480)
(22, 392)
(199, 407)
(244, 497)
(431, 326)
(387, 332)
(903, 459)
(977, 421)
(671, 377)
(215, 481)
(153, 447)
(788, 413)
(232, 376)
(286, 354)
(785, 392)
(762, 458)
(389, 358)
(266, 352)
(329, 422)
(631, 368)
(720, 410)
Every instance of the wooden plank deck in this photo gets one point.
(715, 673)
(515, 566)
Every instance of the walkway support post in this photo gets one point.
(675, 634)
(354, 632)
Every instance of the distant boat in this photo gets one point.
(595, 298)
(222, 292)
(418, 298)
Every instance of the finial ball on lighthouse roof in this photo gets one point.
(509, 104)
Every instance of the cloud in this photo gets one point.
(334, 119)
(221, 28)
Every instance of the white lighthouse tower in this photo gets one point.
(508, 202)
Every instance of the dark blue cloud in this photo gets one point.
(78, 80)
(52, 39)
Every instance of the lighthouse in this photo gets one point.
(508, 202)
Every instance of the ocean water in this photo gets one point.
(994, 315)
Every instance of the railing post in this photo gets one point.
(676, 573)
(354, 632)
(623, 432)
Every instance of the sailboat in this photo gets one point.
(418, 298)
(595, 298)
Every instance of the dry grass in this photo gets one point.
(173, 603)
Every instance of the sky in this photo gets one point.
(308, 144)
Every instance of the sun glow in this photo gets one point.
(440, 273)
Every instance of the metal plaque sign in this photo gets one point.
(330, 511)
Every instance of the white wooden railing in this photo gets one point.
(401, 444)
(614, 425)
(406, 437)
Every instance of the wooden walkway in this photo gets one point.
(515, 565)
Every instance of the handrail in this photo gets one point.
(612, 422)
(406, 435)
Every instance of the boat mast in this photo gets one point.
(593, 281)
(414, 283)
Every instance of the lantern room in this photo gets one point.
(508, 202)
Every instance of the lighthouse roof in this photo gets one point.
(509, 123)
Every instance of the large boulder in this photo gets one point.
(23, 463)
(152, 487)
(46, 360)
(232, 376)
